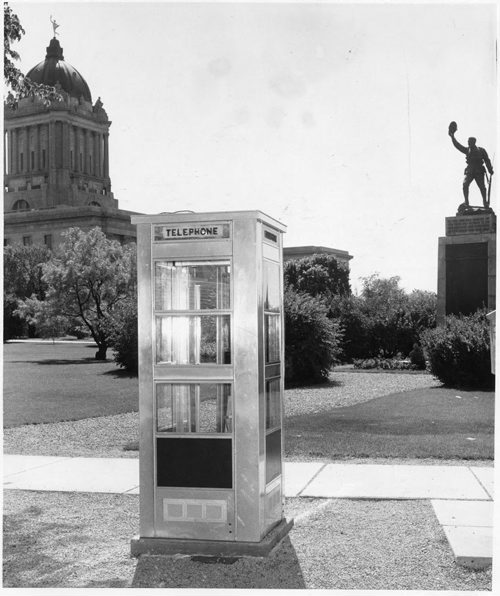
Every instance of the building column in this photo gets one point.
(65, 145)
(88, 145)
(23, 144)
(28, 150)
(15, 152)
(14, 149)
(52, 145)
(100, 142)
(78, 149)
(6, 146)
(106, 155)
(36, 147)
(95, 137)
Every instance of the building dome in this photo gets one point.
(54, 70)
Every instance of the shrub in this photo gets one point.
(459, 351)
(384, 364)
(312, 340)
(123, 335)
(417, 357)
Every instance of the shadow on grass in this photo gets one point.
(27, 543)
(120, 373)
(281, 569)
(62, 361)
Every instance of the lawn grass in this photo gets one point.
(433, 422)
(355, 415)
(45, 382)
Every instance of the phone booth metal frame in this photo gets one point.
(211, 381)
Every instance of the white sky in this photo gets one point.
(330, 117)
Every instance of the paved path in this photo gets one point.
(462, 496)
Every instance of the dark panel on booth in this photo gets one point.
(273, 455)
(466, 277)
(194, 463)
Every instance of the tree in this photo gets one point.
(319, 275)
(87, 279)
(384, 319)
(22, 269)
(14, 79)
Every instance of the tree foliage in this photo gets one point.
(22, 271)
(14, 79)
(384, 320)
(312, 340)
(319, 275)
(87, 279)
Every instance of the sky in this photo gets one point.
(330, 117)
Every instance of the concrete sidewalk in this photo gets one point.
(462, 496)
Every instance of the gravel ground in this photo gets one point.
(109, 436)
(350, 388)
(71, 540)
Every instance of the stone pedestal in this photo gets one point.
(467, 265)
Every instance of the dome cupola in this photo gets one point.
(55, 70)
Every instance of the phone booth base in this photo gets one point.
(211, 548)
(211, 381)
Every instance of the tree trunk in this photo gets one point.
(101, 352)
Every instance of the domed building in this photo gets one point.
(57, 161)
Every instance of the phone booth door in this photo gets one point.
(194, 415)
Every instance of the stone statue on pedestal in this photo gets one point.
(476, 159)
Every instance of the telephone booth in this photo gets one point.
(211, 367)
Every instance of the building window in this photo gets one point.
(90, 164)
(21, 205)
(21, 161)
(27, 241)
(32, 160)
(6, 242)
(81, 162)
(47, 240)
(43, 158)
(72, 160)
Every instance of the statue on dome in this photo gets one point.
(54, 25)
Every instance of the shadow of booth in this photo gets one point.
(281, 569)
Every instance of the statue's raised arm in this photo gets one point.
(452, 129)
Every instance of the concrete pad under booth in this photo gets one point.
(464, 513)
(80, 474)
(486, 477)
(298, 475)
(471, 546)
(395, 482)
